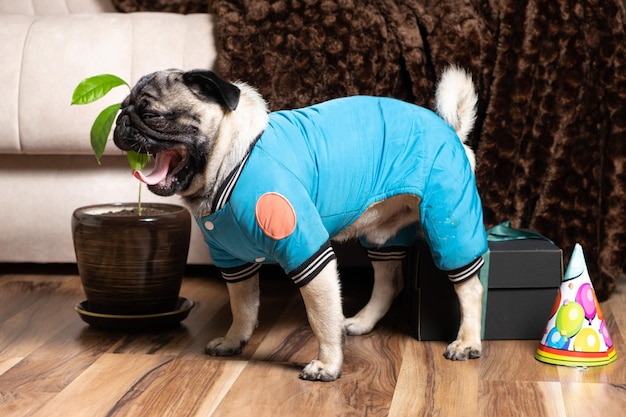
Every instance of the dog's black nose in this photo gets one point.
(122, 125)
(123, 132)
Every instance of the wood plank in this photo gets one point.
(31, 326)
(8, 362)
(182, 388)
(37, 378)
(515, 398)
(430, 385)
(587, 400)
(496, 363)
(19, 293)
(99, 390)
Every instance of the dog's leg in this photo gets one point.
(244, 304)
(467, 343)
(322, 299)
(388, 284)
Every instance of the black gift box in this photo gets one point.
(522, 278)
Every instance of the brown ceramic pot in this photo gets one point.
(130, 264)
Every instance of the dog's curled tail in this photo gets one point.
(455, 102)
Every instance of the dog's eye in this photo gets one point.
(148, 116)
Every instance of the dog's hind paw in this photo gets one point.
(355, 327)
(318, 371)
(460, 351)
(224, 347)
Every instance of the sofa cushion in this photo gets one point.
(41, 7)
(13, 34)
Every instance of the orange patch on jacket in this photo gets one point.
(275, 216)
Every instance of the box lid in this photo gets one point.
(525, 263)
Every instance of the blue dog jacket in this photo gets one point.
(315, 170)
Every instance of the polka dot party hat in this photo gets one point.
(576, 334)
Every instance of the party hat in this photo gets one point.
(576, 334)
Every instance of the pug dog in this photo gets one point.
(279, 187)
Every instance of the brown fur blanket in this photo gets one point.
(550, 135)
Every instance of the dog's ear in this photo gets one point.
(209, 84)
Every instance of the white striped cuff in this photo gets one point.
(391, 253)
(240, 273)
(457, 276)
(312, 266)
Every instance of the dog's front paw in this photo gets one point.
(318, 371)
(224, 347)
(460, 350)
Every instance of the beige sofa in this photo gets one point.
(46, 166)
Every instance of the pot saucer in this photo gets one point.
(135, 323)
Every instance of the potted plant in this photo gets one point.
(131, 257)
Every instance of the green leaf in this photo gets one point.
(137, 161)
(101, 128)
(94, 88)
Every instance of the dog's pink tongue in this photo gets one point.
(161, 168)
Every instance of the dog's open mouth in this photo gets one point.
(167, 164)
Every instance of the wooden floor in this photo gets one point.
(53, 364)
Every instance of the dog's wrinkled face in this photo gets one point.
(174, 116)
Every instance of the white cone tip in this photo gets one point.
(577, 265)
